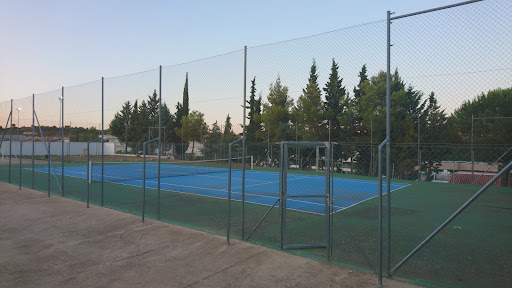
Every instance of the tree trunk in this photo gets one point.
(429, 169)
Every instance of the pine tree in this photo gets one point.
(185, 97)
(118, 125)
(228, 134)
(277, 112)
(335, 102)
(308, 112)
(254, 115)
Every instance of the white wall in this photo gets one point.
(70, 148)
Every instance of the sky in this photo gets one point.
(45, 45)
(48, 44)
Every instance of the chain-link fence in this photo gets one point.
(450, 127)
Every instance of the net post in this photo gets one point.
(317, 162)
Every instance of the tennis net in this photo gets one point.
(122, 171)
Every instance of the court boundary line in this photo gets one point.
(216, 197)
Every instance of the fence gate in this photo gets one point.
(315, 193)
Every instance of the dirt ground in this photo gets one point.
(58, 242)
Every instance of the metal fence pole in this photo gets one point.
(244, 151)
(229, 195)
(380, 208)
(48, 151)
(144, 181)
(388, 134)
(49, 165)
(33, 142)
(89, 168)
(419, 152)
(371, 149)
(281, 198)
(62, 152)
(472, 151)
(144, 177)
(21, 159)
(327, 200)
(159, 141)
(229, 186)
(102, 138)
(10, 145)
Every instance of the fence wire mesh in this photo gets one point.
(451, 127)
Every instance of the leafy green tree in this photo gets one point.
(212, 142)
(191, 127)
(494, 103)
(309, 112)
(405, 109)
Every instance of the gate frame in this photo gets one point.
(283, 194)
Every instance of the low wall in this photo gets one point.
(70, 148)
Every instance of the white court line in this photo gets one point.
(239, 193)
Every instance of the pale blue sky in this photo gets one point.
(48, 44)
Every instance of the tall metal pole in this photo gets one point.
(144, 181)
(297, 147)
(21, 159)
(102, 137)
(472, 151)
(388, 133)
(10, 145)
(419, 151)
(126, 140)
(268, 145)
(229, 197)
(159, 140)
(62, 152)
(371, 148)
(33, 139)
(243, 143)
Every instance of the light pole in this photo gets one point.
(60, 115)
(19, 109)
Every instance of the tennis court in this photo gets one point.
(261, 187)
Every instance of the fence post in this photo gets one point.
(62, 152)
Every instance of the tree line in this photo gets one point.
(330, 111)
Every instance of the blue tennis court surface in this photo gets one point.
(260, 187)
